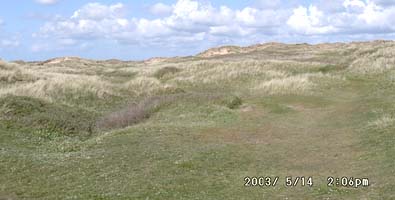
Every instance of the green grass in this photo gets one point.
(202, 142)
(33, 115)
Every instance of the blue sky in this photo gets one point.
(134, 30)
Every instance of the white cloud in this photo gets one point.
(265, 4)
(9, 43)
(354, 4)
(366, 17)
(97, 11)
(309, 21)
(189, 22)
(93, 20)
(47, 2)
(384, 2)
(373, 15)
(333, 6)
(8, 40)
(161, 9)
(192, 16)
(247, 16)
(277, 4)
(357, 17)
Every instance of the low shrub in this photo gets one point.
(165, 71)
(133, 113)
(234, 102)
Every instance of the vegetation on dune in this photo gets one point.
(161, 73)
(194, 127)
(138, 112)
(30, 114)
(133, 114)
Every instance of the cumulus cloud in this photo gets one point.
(92, 21)
(355, 17)
(161, 9)
(333, 6)
(384, 2)
(189, 22)
(309, 21)
(264, 4)
(97, 11)
(47, 2)
(372, 15)
(276, 4)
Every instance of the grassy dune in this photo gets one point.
(194, 127)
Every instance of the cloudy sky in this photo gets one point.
(133, 30)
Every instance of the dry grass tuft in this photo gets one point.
(383, 122)
(133, 113)
(12, 73)
(377, 61)
(288, 85)
(214, 72)
(56, 86)
(148, 86)
(17, 75)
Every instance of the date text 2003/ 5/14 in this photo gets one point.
(267, 181)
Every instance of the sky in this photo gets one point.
(135, 30)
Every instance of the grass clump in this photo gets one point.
(161, 73)
(15, 76)
(148, 86)
(289, 85)
(383, 122)
(234, 102)
(231, 101)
